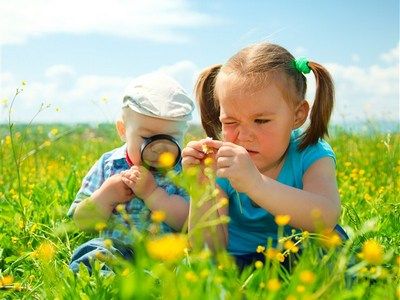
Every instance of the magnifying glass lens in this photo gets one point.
(161, 153)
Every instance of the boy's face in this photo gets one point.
(136, 127)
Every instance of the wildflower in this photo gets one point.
(291, 297)
(260, 249)
(191, 276)
(273, 253)
(273, 284)
(205, 254)
(290, 245)
(45, 252)
(169, 247)
(261, 285)
(158, 216)
(372, 252)
(100, 226)
(8, 140)
(307, 276)
(125, 272)
(282, 220)
(208, 161)
(53, 131)
(6, 280)
(108, 243)
(166, 159)
(331, 239)
(23, 82)
(223, 201)
(258, 264)
(347, 164)
(305, 234)
(206, 149)
(204, 273)
(120, 208)
(300, 288)
(367, 197)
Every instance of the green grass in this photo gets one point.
(41, 170)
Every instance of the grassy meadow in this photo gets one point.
(41, 168)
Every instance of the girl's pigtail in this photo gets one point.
(209, 108)
(322, 107)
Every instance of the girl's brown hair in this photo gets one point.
(255, 64)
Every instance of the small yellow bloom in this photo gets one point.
(100, 226)
(280, 257)
(347, 164)
(273, 284)
(158, 216)
(8, 140)
(260, 249)
(289, 245)
(208, 161)
(53, 131)
(191, 276)
(372, 252)
(166, 160)
(45, 252)
(282, 220)
(6, 280)
(204, 273)
(23, 82)
(169, 247)
(307, 276)
(108, 243)
(206, 149)
(300, 288)
(331, 239)
(223, 201)
(120, 208)
(258, 264)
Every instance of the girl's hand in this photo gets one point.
(140, 180)
(235, 164)
(196, 151)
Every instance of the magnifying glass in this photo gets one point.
(160, 151)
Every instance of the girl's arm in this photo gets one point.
(319, 196)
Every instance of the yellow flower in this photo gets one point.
(166, 160)
(108, 243)
(208, 161)
(347, 164)
(169, 247)
(258, 264)
(260, 249)
(45, 252)
(282, 220)
(289, 245)
(273, 253)
(8, 140)
(223, 201)
(331, 239)
(372, 252)
(206, 149)
(53, 131)
(307, 276)
(158, 216)
(6, 280)
(273, 284)
(300, 288)
(100, 226)
(191, 276)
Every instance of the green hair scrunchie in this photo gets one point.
(301, 65)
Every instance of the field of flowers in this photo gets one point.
(41, 167)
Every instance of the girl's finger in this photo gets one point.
(224, 162)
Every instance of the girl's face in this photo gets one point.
(136, 127)
(260, 121)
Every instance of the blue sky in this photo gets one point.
(77, 56)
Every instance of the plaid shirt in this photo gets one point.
(114, 162)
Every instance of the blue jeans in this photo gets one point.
(86, 253)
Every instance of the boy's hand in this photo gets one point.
(140, 180)
(113, 191)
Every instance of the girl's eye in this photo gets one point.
(261, 121)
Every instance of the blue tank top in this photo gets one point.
(252, 225)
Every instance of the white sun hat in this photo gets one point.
(158, 95)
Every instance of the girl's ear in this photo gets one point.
(121, 129)
(301, 114)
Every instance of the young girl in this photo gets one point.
(265, 166)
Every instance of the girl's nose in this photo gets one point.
(244, 134)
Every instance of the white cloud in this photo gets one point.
(392, 55)
(73, 98)
(155, 20)
(370, 92)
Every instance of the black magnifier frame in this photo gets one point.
(156, 137)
